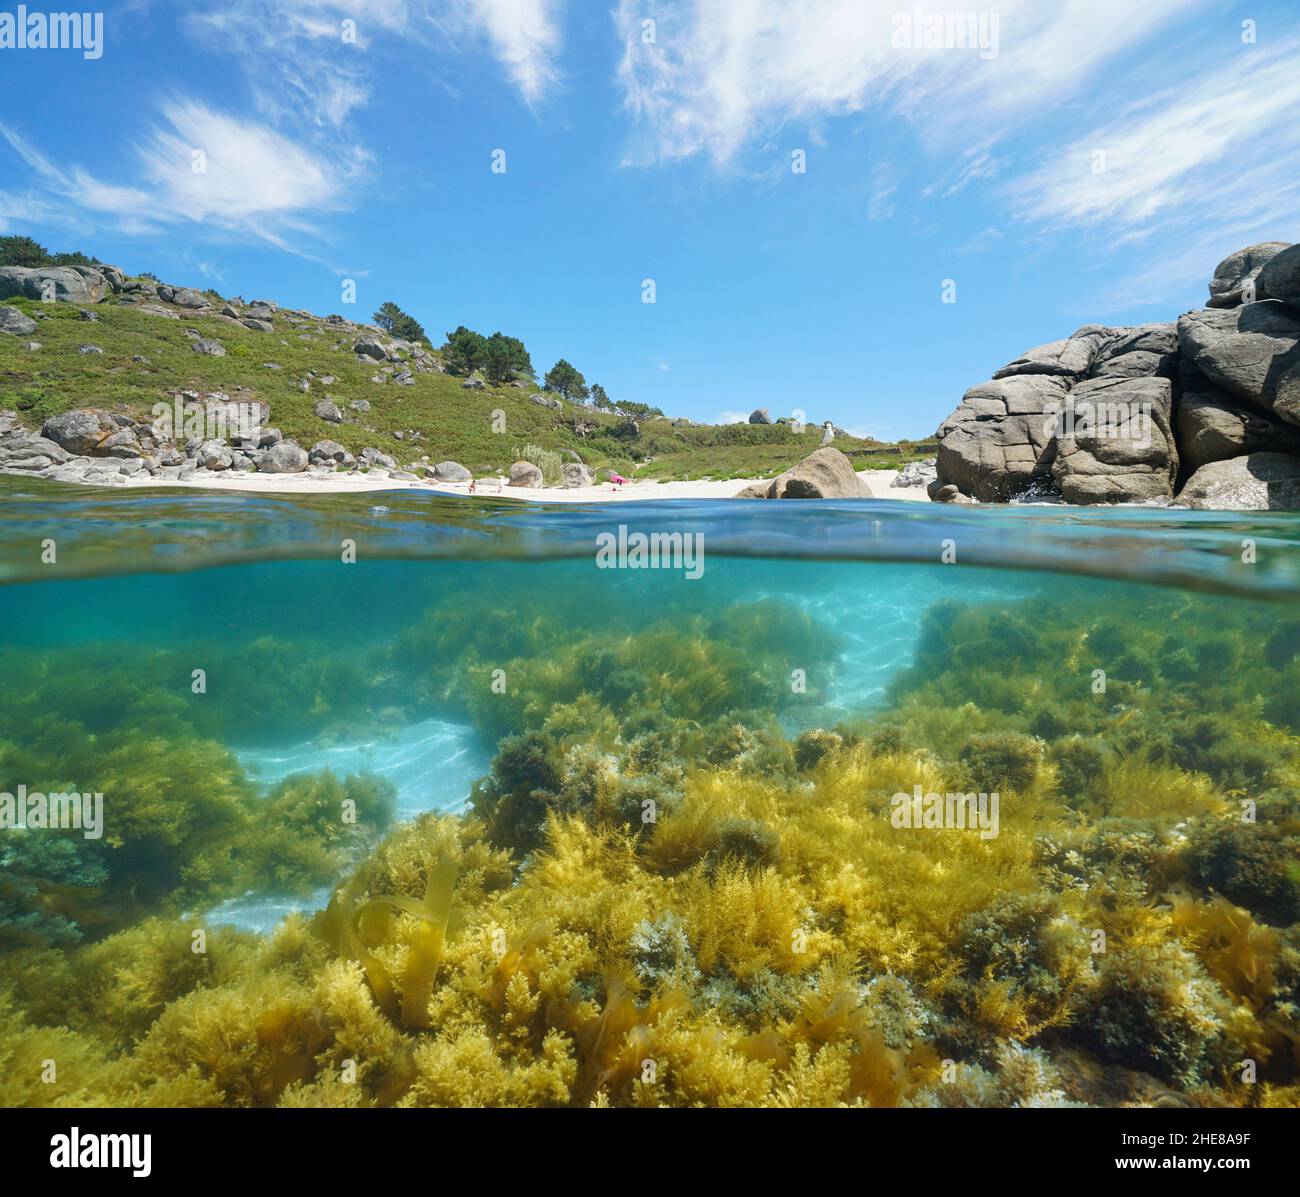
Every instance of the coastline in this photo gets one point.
(878, 482)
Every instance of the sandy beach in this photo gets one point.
(878, 482)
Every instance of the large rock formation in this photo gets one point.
(1128, 415)
(63, 284)
(525, 473)
(824, 474)
(1231, 276)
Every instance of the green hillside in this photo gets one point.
(147, 358)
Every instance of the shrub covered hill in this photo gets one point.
(76, 334)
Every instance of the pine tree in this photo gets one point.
(399, 324)
(564, 380)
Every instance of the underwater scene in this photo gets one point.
(403, 800)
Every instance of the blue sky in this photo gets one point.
(1092, 164)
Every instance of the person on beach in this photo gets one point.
(617, 480)
(473, 486)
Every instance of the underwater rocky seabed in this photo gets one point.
(769, 938)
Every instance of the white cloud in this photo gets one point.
(251, 172)
(293, 52)
(883, 182)
(721, 73)
(1223, 145)
(524, 36)
(732, 417)
(298, 62)
(255, 181)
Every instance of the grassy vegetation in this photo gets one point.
(148, 357)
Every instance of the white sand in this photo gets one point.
(877, 482)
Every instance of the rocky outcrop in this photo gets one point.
(329, 453)
(451, 471)
(1131, 415)
(184, 297)
(14, 322)
(916, 473)
(1118, 447)
(370, 347)
(373, 459)
(80, 432)
(1002, 437)
(1280, 278)
(284, 457)
(1257, 482)
(1211, 427)
(1227, 287)
(575, 474)
(1251, 352)
(759, 416)
(61, 284)
(823, 474)
(524, 473)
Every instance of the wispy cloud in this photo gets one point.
(302, 59)
(1222, 143)
(883, 184)
(712, 76)
(313, 60)
(524, 36)
(199, 166)
(1191, 172)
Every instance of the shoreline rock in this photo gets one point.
(1133, 415)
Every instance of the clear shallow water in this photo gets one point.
(767, 711)
(431, 764)
(110, 533)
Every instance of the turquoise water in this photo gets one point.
(387, 651)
